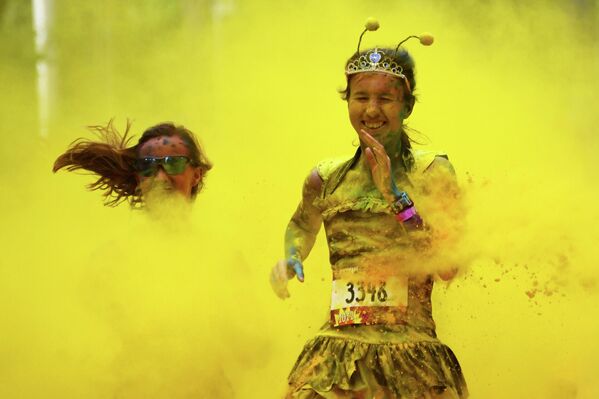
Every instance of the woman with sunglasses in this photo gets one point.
(166, 159)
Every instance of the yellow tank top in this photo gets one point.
(364, 236)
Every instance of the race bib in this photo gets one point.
(357, 299)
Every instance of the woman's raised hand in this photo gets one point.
(380, 165)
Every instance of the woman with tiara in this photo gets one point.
(167, 160)
(380, 341)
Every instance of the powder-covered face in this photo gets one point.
(376, 104)
(182, 183)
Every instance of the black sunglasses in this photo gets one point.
(172, 165)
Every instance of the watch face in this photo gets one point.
(404, 200)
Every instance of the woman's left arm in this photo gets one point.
(444, 192)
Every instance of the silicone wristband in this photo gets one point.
(406, 214)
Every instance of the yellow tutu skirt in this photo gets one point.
(339, 366)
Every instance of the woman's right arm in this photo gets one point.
(299, 237)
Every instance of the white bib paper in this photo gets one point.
(358, 299)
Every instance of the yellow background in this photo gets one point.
(98, 302)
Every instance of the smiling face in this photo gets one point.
(376, 104)
(181, 183)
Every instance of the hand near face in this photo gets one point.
(380, 165)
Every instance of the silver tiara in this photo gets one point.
(375, 61)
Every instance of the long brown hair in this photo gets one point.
(113, 161)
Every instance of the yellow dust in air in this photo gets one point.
(103, 302)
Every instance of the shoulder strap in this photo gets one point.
(337, 173)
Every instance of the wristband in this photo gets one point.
(401, 203)
(406, 214)
(405, 211)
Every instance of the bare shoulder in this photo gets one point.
(441, 163)
(313, 183)
(321, 174)
(441, 176)
(327, 167)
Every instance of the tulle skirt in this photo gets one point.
(329, 365)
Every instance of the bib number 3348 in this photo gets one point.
(356, 301)
(371, 293)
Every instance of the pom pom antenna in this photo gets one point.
(375, 60)
(371, 24)
(426, 39)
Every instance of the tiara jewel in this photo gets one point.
(374, 57)
(375, 61)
